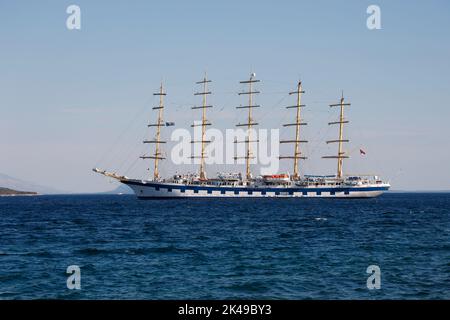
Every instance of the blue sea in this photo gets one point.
(225, 248)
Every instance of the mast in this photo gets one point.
(341, 154)
(298, 122)
(249, 124)
(203, 124)
(160, 123)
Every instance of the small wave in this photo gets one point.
(31, 254)
(7, 294)
(285, 235)
(133, 251)
(170, 249)
(250, 286)
(320, 219)
(93, 251)
(10, 276)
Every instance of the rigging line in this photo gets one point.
(274, 107)
(320, 136)
(324, 102)
(285, 133)
(266, 93)
(226, 103)
(352, 151)
(225, 92)
(277, 81)
(177, 104)
(130, 152)
(128, 147)
(131, 166)
(128, 158)
(114, 144)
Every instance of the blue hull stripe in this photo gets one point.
(249, 190)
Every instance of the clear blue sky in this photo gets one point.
(71, 100)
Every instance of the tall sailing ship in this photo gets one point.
(239, 185)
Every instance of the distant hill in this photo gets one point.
(121, 189)
(11, 192)
(17, 184)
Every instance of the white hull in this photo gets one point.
(144, 190)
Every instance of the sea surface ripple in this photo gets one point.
(225, 248)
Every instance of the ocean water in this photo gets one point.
(225, 248)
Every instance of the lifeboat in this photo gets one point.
(284, 177)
